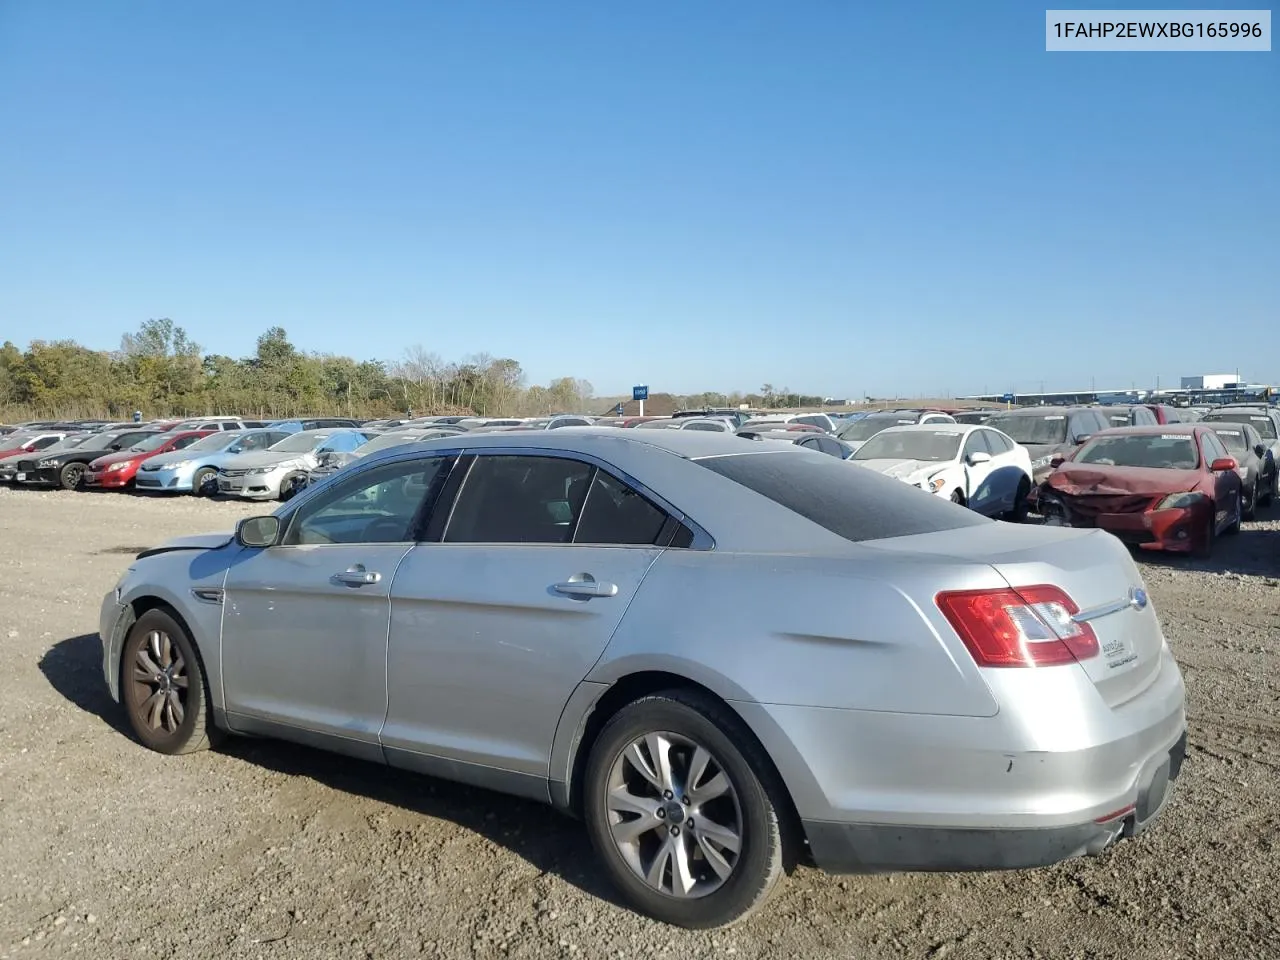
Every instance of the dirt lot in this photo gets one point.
(269, 850)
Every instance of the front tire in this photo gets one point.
(163, 687)
(202, 482)
(1020, 506)
(1250, 509)
(678, 813)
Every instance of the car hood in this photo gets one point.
(263, 458)
(200, 541)
(911, 471)
(173, 456)
(1098, 480)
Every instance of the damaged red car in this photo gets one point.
(1171, 487)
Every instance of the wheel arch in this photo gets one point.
(205, 649)
(606, 700)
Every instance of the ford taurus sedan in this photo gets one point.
(581, 617)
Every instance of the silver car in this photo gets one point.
(195, 469)
(582, 617)
(281, 470)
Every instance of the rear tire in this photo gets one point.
(704, 749)
(71, 476)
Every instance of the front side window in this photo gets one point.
(183, 442)
(376, 506)
(519, 499)
(976, 443)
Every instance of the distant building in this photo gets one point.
(1212, 381)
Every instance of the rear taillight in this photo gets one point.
(1026, 627)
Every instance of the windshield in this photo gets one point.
(1048, 429)
(867, 428)
(215, 441)
(1233, 440)
(66, 443)
(910, 445)
(150, 443)
(1262, 424)
(1161, 451)
(300, 443)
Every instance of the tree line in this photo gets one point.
(161, 371)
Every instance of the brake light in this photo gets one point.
(1026, 627)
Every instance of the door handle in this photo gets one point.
(586, 588)
(357, 576)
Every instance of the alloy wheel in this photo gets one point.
(160, 676)
(674, 815)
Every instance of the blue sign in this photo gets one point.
(640, 393)
(1007, 398)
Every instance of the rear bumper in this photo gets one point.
(839, 847)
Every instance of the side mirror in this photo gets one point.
(1057, 460)
(1083, 438)
(1223, 463)
(113, 447)
(1260, 450)
(258, 531)
(979, 456)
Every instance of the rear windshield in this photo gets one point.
(1160, 451)
(1051, 428)
(1233, 440)
(1258, 421)
(868, 427)
(849, 501)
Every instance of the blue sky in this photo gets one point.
(836, 197)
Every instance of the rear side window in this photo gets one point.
(850, 502)
(615, 513)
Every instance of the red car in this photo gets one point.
(1171, 487)
(117, 470)
(1165, 414)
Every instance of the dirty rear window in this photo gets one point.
(1262, 424)
(1050, 428)
(851, 502)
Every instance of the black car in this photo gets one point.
(1047, 432)
(67, 468)
(1257, 465)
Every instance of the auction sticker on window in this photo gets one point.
(1155, 31)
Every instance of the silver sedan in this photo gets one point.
(589, 617)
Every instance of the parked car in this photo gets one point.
(739, 417)
(219, 423)
(1167, 414)
(553, 423)
(939, 691)
(1136, 415)
(195, 468)
(278, 472)
(9, 466)
(29, 441)
(860, 431)
(973, 416)
(331, 462)
(1171, 487)
(807, 439)
(315, 423)
(975, 466)
(116, 471)
(1255, 464)
(1264, 419)
(1048, 432)
(66, 468)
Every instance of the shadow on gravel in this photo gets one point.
(551, 842)
(74, 668)
(1251, 552)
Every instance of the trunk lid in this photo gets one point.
(1096, 571)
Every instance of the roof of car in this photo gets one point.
(1042, 411)
(691, 444)
(1181, 429)
(937, 427)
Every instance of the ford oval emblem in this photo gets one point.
(1137, 598)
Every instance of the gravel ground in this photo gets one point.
(270, 850)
